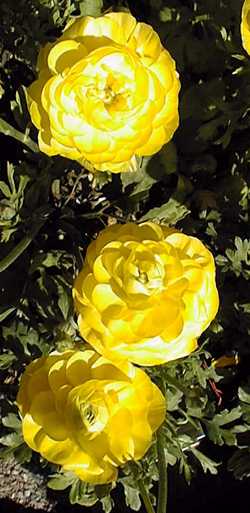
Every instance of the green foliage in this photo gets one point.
(238, 260)
(82, 493)
(6, 360)
(51, 208)
(169, 213)
(90, 7)
(239, 463)
(12, 203)
(220, 435)
(132, 495)
(12, 442)
(61, 481)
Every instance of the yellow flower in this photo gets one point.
(82, 412)
(107, 90)
(245, 26)
(145, 293)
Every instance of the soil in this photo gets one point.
(21, 486)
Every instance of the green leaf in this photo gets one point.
(186, 469)
(226, 416)
(107, 504)
(6, 360)
(173, 397)
(142, 180)
(90, 7)
(151, 170)
(61, 481)
(5, 189)
(195, 402)
(19, 108)
(237, 260)
(23, 454)
(12, 421)
(132, 496)
(6, 452)
(171, 459)
(82, 493)
(244, 394)
(206, 463)
(170, 212)
(51, 259)
(9, 130)
(166, 14)
(221, 435)
(10, 174)
(168, 158)
(6, 313)
(64, 301)
(12, 440)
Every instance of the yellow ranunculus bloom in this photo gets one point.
(107, 90)
(145, 293)
(245, 26)
(82, 412)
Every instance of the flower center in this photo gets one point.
(111, 89)
(107, 95)
(143, 274)
(93, 417)
(88, 414)
(104, 93)
(149, 273)
(142, 277)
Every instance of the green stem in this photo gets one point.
(145, 497)
(163, 478)
(7, 129)
(19, 249)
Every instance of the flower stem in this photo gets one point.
(7, 129)
(145, 497)
(19, 248)
(163, 477)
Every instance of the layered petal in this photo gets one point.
(106, 91)
(82, 411)
(145, 293)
